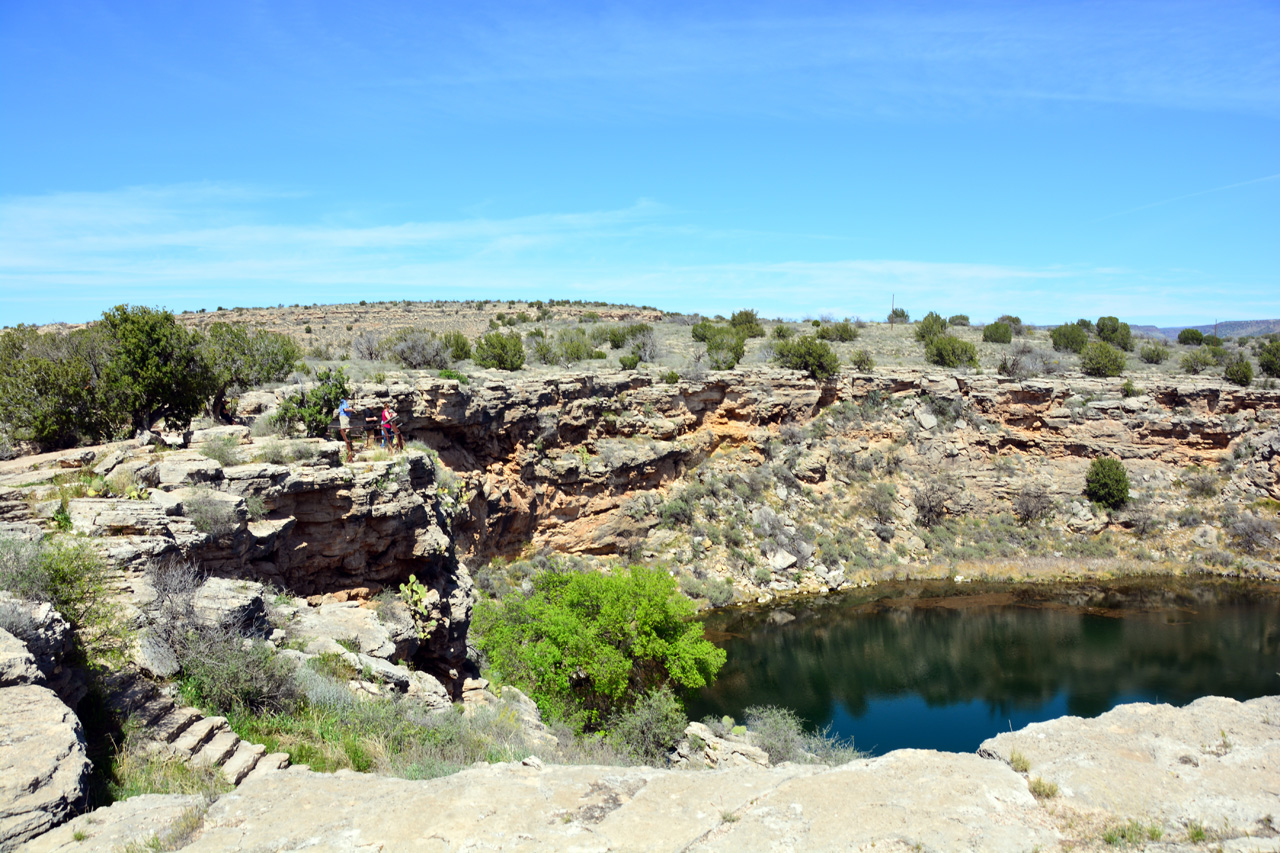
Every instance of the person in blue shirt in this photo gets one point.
(344, 427)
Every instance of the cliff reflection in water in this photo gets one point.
(918, 665)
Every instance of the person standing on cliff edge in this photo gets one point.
(344, 427)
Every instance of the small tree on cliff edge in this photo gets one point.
(1107, 483)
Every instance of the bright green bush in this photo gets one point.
(1070, 338)
(1107, 483)
(1239, 371)
(629, 362)
(809, 354)
(1111, 330)
(314, 408)
(500, 350)
(1101, 359)
(997, 333)
(930, 327)
(1191, 337)
(747, 324)
(459, 346)
(585, 645)
(950, 351)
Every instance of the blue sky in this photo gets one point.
(1052, 160)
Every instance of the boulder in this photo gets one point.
(49, 640)
(231, 604)
(17, 666)
(395, 638)
(703, 748)
(44, 771)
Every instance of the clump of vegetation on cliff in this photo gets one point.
(587, 645)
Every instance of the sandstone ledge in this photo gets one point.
(906, 800)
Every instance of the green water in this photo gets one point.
(941, 666)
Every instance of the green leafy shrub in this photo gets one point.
(459, 346)
(314, 408)
(997, 333)
(1014, 323)
(1154, 353)
(1197, 361)
(670, 377)
(930, 327)
(747, 324)
(842, 331)
(782, 331)
(500, 350)
(584, 645)
(1191, 337)
(809, 354)
(1239, 371)
(958, 320)
(70, 575)
(717, 592)
(1107, 483)
(1101, 359)
(862, 361)
(1269, 359)
(1212, 341)
(223, 671)
(650, 729)
(725, 348)
(1071, 338)
(1112, 331)
(950, 351)
(449, 373)
(629, 362)
(1128, 389)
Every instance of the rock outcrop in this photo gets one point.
(44, 770)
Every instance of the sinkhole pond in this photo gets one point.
(939, 665)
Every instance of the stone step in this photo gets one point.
(174, 723)
(153, 711)
(129, 695)
(217, 749)
(242, 761)
(270, 763)
(196, 735)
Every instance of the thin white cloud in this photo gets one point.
(1163, 202)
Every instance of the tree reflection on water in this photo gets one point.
(943, 666)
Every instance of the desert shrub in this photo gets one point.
(898, 315)
(930, 327)
(930, 499)
(367, 346)
(670, 377)
(747, 324)
(704, 330)
(950, 351)
(583, 645)
(1014, 323)
(1269, 359)
(809, 354)
(70, 575)
(958, 320)
(780, 733)
(572, 345)
(1128, 389)
(880, 502)
(650, 729)
(1197, 361)
(1252, 533)
(717, 592)
(1072, 338)
(842, 331)
(223, 449)
(459, 346)
(862, 361)
(500, 350)
(645, 346)
(1239, 371)
(1114, 332)
(449, 373)
(782, 331)
(1023, 360)
(1107, 483)
(226, 672)
(314, 408)
(1212, 341)
(725, 348)
(1101, 359)
(1191, 337)
(997, 333)
(211, 515)
(629, 362)
(418, 349)
(1032, 504)
(1154, 353)
(1219, 354)
(1200, 482)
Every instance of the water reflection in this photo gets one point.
(916, 665)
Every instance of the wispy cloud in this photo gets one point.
(1163, 202)
(69, 256)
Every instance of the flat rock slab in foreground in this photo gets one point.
(941, 801)
(44, 772)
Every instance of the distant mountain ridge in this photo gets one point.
(1225, 328)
